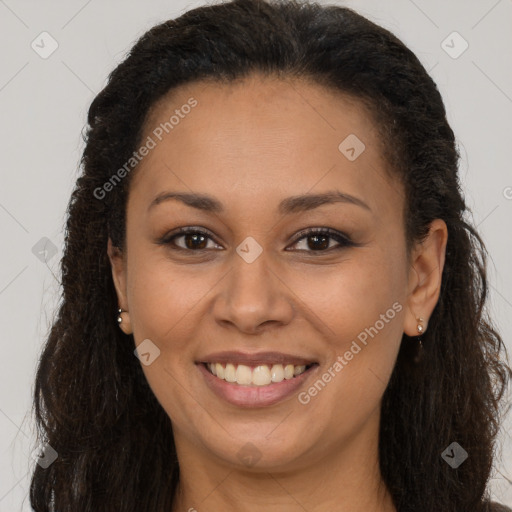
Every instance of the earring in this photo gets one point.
(419, 351)
(124, 321)
(119, 318)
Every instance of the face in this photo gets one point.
(291, 281)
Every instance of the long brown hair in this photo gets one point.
(92, 402)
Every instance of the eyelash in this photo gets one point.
(342, 239)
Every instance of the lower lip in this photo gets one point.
(254, 396)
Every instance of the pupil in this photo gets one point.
(192, 239)
(195, 237)
(324, 245)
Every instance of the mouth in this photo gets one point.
(255, 380)
(256, 375)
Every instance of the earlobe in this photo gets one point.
(425, 277)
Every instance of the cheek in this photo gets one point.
(166, 303)
(163, 297)
(363, 305)
(351, 296)
(370, 309)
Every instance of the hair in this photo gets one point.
(92, 402)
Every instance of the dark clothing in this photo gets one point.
(489, 507)
(496, 507)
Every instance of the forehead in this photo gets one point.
(262, 135)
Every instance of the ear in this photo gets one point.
(425, 276)
(118, 264)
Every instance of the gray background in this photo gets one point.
(43, 106)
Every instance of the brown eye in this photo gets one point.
(193, 239)
(320, 240)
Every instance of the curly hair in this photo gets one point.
(92, 402)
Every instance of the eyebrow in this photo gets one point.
(287, 206)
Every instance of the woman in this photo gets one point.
(271, 296)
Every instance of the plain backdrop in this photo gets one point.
(43, 105)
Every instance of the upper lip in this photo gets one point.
(257, 358)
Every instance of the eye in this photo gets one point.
(319, 240)
(315, 240)
(193, 239)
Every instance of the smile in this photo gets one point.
(260, 375)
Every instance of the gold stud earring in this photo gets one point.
(420, 325)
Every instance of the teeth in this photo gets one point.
(289, 371)
(277, 373)
(261, 375)
(298, 370)
(219, 371)
(243, 375)
(230, 373)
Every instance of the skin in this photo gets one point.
(252, 144)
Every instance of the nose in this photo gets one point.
(253, 297)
